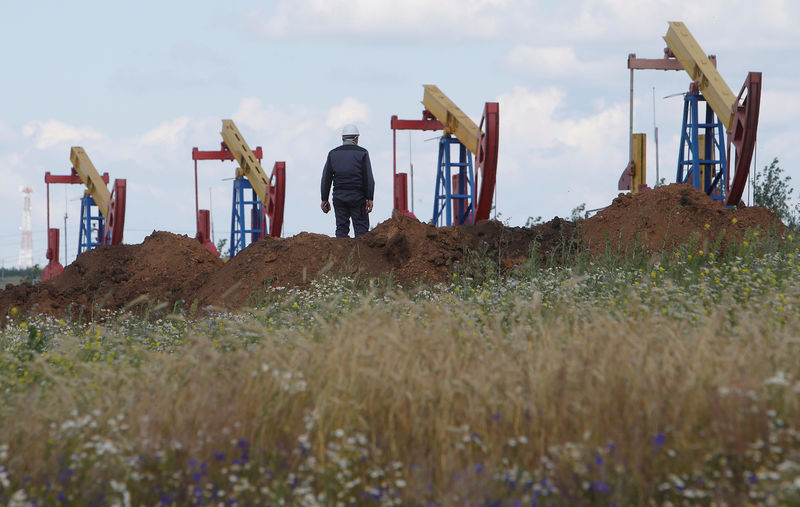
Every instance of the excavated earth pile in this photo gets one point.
(168, 268)
(405, 248)
(669, 216)
(165, 267)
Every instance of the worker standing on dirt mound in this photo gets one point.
(349, 170)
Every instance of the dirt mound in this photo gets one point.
(165, 267)
(669, 216)
(169, 268)
(409, 250)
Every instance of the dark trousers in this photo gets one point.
(346, 210)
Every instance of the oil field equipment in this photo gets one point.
(102, 211)
(266, 199)
(464, 190)
(704, 160)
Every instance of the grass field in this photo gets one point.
(664, 380)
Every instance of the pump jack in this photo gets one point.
(267, 199)
(102, 211)
(702, 161)
(457, 198)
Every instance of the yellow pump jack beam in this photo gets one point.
(452, 118)
(95, 186)
(702, 71)
(249, 166)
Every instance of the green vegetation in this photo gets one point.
(223, 252)
(15, 275)
(670, 379)
(772, 190)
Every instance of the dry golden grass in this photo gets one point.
(455, 404)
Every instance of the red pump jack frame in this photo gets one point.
(428, 122)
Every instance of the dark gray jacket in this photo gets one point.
(350, 171)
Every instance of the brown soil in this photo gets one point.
(165, 267)
(406, 249)
(168, 268)
(669, 216)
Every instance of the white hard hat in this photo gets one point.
(349, 130)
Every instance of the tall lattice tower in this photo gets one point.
(26, 246)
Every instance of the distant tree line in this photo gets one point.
(27, 274)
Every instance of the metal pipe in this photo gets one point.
(655, 133)
(412, 188)
(630, 124)
(196, 201)
(48, 208)
(65, 240)
(411, 170)
(210, 212)
(394, 168)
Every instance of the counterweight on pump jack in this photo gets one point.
(459, 198)
(705, 159)
(267, 199)
(103, 228)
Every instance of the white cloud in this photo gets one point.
(551, 61)
(273, 125)
(53, 132)
(6, 132)
(778, 131)
(576, 157)
(779, 106)
(360, 18)
(551, 127)
(251, 114)
(11, 173)
(349, 111)
(519, 107)
(721, 22)
(169, 134)
(555, 62)
(712, 22)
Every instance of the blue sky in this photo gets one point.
(139, 84)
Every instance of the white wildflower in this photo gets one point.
(779, 379)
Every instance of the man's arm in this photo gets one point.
(325, 185)
(369, 183)
(327, 179)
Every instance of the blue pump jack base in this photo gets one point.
(702, 158)
(242, 207)
(92, 224)
(455, 189)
